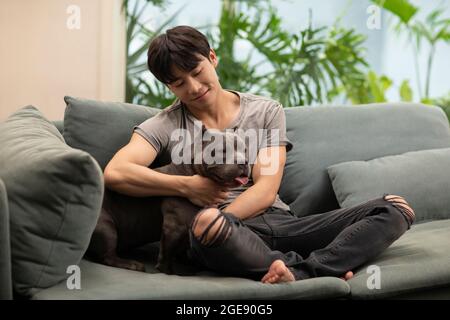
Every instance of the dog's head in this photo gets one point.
(224, 158)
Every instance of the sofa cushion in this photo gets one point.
(421, 177)
(101, 128)
(417, 261)
(54, 198)
(103, 282)
(324, 136)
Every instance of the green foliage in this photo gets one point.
(401, 8)
(435, 29)
(233, 74)
(406, 93)
(295, 67)
(300, 68)
(137, 88)
(378, 86)
(373, 89)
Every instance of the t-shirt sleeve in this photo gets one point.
(275, 123)
(155, 131)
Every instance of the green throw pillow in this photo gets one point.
(54, 196)
(101, 128)
(421, 177)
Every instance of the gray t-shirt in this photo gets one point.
(256, 113)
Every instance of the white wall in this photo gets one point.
(42, 60)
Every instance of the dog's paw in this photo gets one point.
(125, 264)
(136, 266)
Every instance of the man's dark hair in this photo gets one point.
(178, 47)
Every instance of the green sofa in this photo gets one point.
(51, 189)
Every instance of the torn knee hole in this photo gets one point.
(212, 232)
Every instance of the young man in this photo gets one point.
(246, 231)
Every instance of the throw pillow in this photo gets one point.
(54, 196)
(101, 128)
(421, 177)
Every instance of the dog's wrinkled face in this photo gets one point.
(229, 175)
(224, 158)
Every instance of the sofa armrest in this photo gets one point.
(5, 247)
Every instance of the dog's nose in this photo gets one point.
(244, 168)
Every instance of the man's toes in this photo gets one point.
(278, 272)
(348, 275)
(267, 276)
(273, 279)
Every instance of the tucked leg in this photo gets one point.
(381, 222)
(223, 243)
(334, 243)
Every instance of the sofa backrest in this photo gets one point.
(327, 135)
(101, 128)
(322, 136)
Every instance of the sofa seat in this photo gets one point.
(418, 261)
(104, 282)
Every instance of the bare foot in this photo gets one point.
(278, 272)
(347, 276)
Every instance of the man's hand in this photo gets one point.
(204, 192)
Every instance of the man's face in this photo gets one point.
(199, 87)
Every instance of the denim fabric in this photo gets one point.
(326, 244)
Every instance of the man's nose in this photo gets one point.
(194, 87)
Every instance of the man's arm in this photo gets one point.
(267, 174)
(128, 173)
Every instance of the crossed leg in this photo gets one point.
(279, 272)
(211, 229)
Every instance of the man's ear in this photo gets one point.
(213, 58)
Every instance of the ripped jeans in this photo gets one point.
(327, 244)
